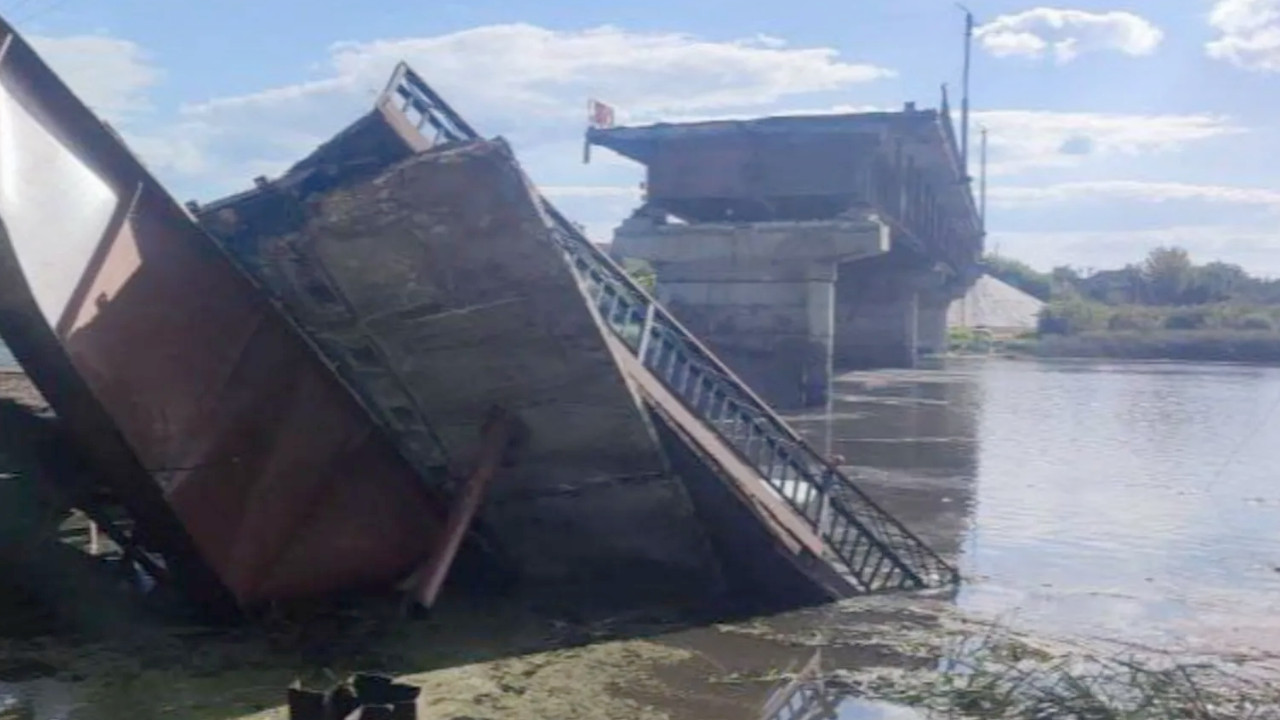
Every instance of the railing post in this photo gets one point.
(824, 492)
(645, 330)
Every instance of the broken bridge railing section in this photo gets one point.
(878, 551)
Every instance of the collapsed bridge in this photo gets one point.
(292, 391)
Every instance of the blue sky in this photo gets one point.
(1115, 126)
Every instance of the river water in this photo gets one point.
(1132, 503)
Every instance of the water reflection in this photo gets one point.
(810, 697)
(37, 699)
(1132, 501)
(910, 437)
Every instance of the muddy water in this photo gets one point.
(1129, 502)
(1138, 502)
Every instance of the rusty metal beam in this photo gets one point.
(498, 436)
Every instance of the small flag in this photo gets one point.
(601, 115)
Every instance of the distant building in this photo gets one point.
(996, 306)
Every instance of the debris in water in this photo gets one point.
(363, 697)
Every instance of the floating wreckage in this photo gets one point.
(397, 352)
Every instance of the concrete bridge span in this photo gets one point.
(278, 395)
(796, 246)
(439, 282)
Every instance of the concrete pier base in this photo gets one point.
(889, 311)
(931, 323)
(771, 325)
(875, 318)
(762, 296)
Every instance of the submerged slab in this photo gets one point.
(240, 457)
(436, 288)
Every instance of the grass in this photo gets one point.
(1207, 345)
(998, 678)
(1189, 345)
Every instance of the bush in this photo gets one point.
(969, 340)
(1185, 320)
(641, 272)
(1256, 322)
(1071, 317)
(1019, 275)
(1132, 319)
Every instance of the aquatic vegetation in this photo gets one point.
(999, 676)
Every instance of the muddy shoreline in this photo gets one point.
(485, 658)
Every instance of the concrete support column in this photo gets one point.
(931, 324)
(816, 377)
(876, 318)
(761, 296)
(772, 325)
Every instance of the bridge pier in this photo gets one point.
(888, 313)
(875, 319)
(931, 322)
(751, 230)
(762, 296)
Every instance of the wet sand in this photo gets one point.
(476, 662)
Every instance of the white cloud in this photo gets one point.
(1067, 33)
(110, 75)
(1249, 33)
(526, 82)
(1026, 139)
(1133, 191)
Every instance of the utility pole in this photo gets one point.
(982, 184)
(964, 102)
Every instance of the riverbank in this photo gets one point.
(1187, 345)
(880, 657)
(1246, 346)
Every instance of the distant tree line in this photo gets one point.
(1166, 277)
(1166, 291)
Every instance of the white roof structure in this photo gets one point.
(995, 305)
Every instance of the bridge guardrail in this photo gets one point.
(879, 552)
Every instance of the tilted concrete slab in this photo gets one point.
(442, 284)
(436, 288)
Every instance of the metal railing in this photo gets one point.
(878, 551)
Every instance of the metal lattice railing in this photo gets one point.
(878, 551)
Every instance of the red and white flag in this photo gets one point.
(601, 115)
